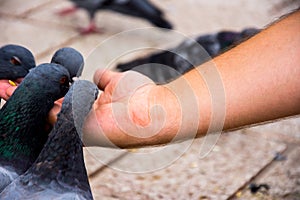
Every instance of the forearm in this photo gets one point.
(267, 86)
(260, 78)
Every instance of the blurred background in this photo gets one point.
(240, 161)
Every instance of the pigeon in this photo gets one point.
(15, 62)
(164, 66)
(71, 59)
(59, 171)
(23, 119)
(136, 8)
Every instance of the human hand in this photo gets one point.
(52, 116)
(132, 111)
(7, 89)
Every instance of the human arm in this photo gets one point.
(260, 77)
(260, 80)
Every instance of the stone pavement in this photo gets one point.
(264, 154)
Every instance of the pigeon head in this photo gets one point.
(15, 61)
(56, 85)
(70, 59)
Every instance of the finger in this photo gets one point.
(103, 98)
(52, 116)
(3, 87)
(103, 77)
(10, 90)
(3, 95)
(59, 101)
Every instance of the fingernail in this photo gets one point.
(12, 83)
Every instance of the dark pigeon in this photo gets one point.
(23, 119)
(167, 65)
(59, 171)
(137, 8)
(15, 62)
(71, 59)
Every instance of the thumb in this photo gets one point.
(103, 77)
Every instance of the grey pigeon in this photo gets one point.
(167, 65)
(15, 62)
(23, 119)
(71, 59)
(143, 9)
(59, 171)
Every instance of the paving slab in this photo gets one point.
(283, 179)
(196, 17)
(50, 14)
(18, 7)
(106, 50)
(286, 128)
(36, 37)
(234, 161)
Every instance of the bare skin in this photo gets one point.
(4, 87)
(259, 82)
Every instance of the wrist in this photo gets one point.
(195, 96)
(165, 111)
(156, 122)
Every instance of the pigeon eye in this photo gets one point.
(15, 60)
(63, 80)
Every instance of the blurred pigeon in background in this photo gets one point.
(23, 119)
(71, 59)
(59, 171)
(143, 9)
(166, 65)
